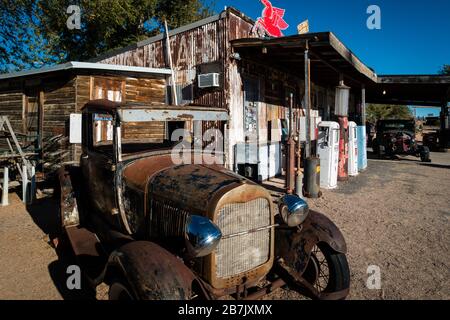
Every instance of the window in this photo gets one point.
(107, 88)
(102, 129)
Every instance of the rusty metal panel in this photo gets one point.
(191, 49)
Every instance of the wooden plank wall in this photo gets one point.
(139, 90)
(59, 103)
(145, 90)
(11, 105)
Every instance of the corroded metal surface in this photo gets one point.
(68, 201)
(153, 272)
(200, 49)
(295, 247)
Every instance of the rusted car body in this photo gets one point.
(154, 229)
(398, 137)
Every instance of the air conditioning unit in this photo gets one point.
(209, 80)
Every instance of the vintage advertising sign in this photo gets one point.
(303, 27)
(271, 20)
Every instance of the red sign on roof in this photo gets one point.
(272, 19)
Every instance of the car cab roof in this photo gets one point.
(137, 112)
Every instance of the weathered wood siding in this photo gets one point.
(11, 105)
(83, 91)
(59, 103)
(145, 90)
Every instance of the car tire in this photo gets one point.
(425, 154)
(375, 147)
(338, 270)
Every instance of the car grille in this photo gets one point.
(242, 253)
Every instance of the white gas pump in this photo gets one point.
(328, 150)
(352, 149)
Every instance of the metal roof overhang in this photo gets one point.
(329, 58)
(419, 90)
(87, 66)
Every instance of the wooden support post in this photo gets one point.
(5, 191)
(307, 103)
(363, 105)
(41, 121)
(169, 58)
(24, 184)
(32, 194)
(290, 159)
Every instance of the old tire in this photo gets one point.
(335, 278)
(375, 147)
(425, 154)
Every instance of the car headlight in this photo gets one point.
(201, 236)
(293, 209)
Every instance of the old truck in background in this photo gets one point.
(153, 228)
(398, 137)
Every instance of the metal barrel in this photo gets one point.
(312, 177)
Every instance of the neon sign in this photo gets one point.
(271, 20)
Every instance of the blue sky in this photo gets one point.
(414, 36)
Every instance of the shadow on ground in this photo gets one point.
(45, 214)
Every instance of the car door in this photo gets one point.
(98, 167)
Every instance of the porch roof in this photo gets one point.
(329, 57)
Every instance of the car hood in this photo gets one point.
(138, 173)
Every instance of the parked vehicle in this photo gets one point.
(431, 133)
(397, 137)
(153, 229)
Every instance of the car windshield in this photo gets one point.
(144, 130)
(137, 136)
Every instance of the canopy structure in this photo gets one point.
(420, 90)
(329, 57)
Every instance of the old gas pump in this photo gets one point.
(343, 149)
(341, 103)
(352, 149)
(328, 150)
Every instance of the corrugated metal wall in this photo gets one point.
(194, 51)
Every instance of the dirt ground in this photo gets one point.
(395, 215)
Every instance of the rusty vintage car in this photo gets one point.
(398, 137)
(155, 229)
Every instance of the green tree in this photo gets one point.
(377, 112)
(445, 69)
(22, 45)
(110, 24)
(35, 32)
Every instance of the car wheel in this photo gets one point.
(425, 154)
(375, 147)
(381, 152)
(327, 270)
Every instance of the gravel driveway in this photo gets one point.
(395, 215)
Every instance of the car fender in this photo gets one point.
(294, 246)
(152, 272)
